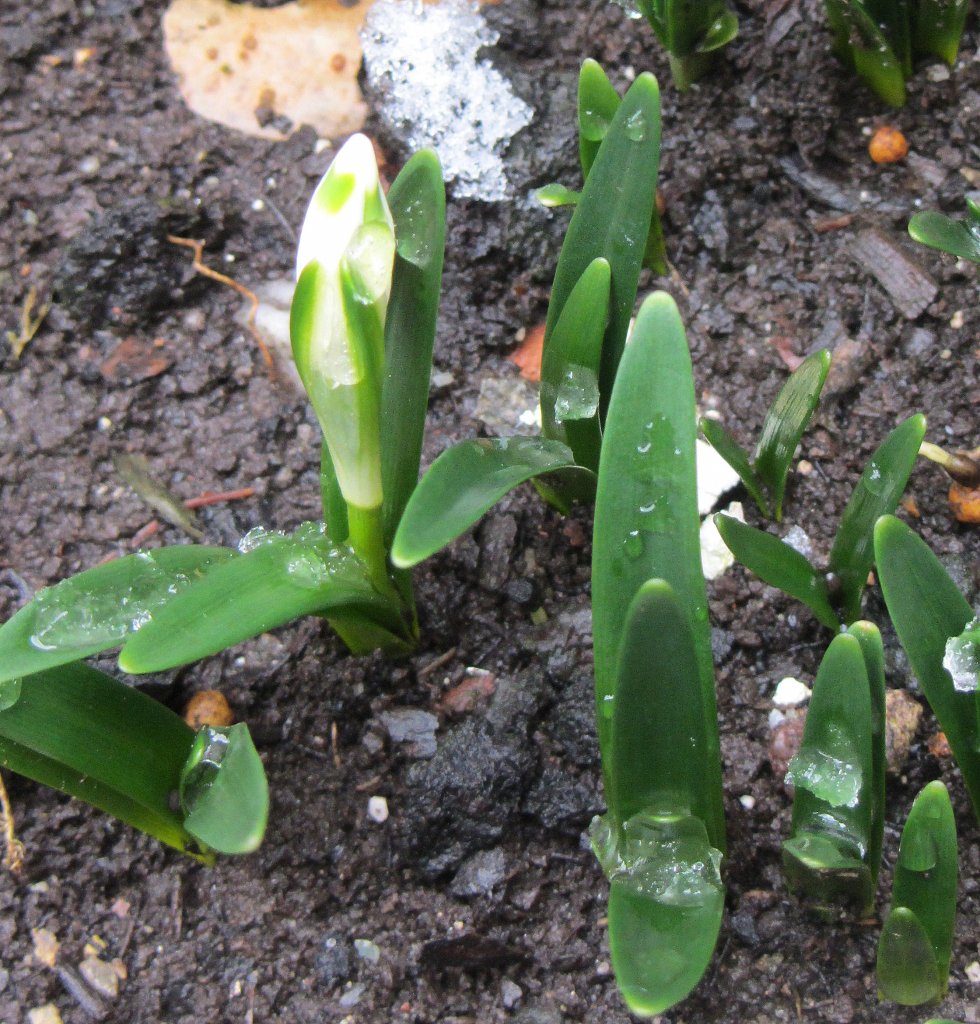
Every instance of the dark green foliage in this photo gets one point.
(959, 238)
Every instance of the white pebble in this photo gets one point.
(790, 692)
(747, 801)
(378, 809)
(776, 718)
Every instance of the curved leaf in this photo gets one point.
(785, 422)
(877, 493)
(465, 482)
(598, 102)
(779, 565)
(267, 587)
(907, 970)
(734, 454)
(97, 609)
(938, 231)
(927, 609)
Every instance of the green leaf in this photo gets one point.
(334, 506)
(646, 518)
(835, 799)
(418, 205)
(666, 901)
(779, 565)
(924, 887)
(555, 194)
(598, 102)
(612, 218)
(223, 790)
(877, 493)
(464, 483)
(97, 609)
(720, 33)
(937, 26)
(265, 588)
(785, 422)
(938, 231)
(9, 693)
(927, 610)
(865, 41)
(93, 737)
(570, 367)
(734, 454)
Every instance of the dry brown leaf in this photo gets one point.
(297, 62)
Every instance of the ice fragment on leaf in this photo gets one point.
(962, 658)
(827, 777)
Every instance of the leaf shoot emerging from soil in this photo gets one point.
(662, 840)
(960, 238)
(917, 937)
(691, 32)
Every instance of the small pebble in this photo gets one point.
(209, 707)
(956, 320)
(888, 145)
(747, 801)
(511, 993)
(102, 977)
(937, 73)
(353, 995)
(47, 1014)
(378, 809)
(790, 693)
(367, 950)
(973, 972)
(90, 165)
(799, 540)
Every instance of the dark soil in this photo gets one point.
(478, 891)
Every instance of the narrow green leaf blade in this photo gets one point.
(598, 102)
(97, 609)
(734, 454)
(464, 483)
(265, 588)
(646, 518)
(785, 422)
(876, 494)
(91, 736)
(570, 367)
(907, 970)
(612, 217)
(938, 26)
(927, 609)
(779, 565)
(224, 792)
(941, 232)
(418, 205)
(834, 782)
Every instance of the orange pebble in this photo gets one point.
(888, 145)
(965, 502)
(209, 707)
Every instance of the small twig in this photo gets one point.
(29, 324)
(832, 223)
(79, 991)
(437, 663)
(335, 745)
(197, 246)
(210, 498)
(14, 856)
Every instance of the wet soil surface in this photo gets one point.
(478, 897)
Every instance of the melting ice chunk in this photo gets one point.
(827, 777)
(423, 59)
(962, 658)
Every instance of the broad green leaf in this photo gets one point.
(958, 238)
(907, 969)
(570, 367)
(927, 609)
(835, 798)
(598, 102)
(223, 790)
(734, 454)
(95, 738)
(97, 609)
(924, 887)
(418, 205)
(464, 483)
(877, 493)
(265, 588)
(937, 26)
(720, 33)
(646, 518)
(666, 901)
(862, 39)
(785, 422)
(869, 637)
(612, 218)
(661, 745)
(779, 565)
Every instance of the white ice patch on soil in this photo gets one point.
(423, 60)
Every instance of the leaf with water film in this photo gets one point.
(833, 775)
(464, 483)
(917, 940)
(570, 367)
(91, 736)
(877, 493)
(779, 565)
(272, 584)
(612, 218)
(97, 609)
(927, 609)
(736, 457)
(418, 205)
(785, 422)
(598, 102)
(958, 238)
(223, 790)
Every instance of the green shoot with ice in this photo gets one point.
(764, 475)
(880, 39)
(692, 32)
(838, 775)
(834, 596)
(917, 937)
(960, 238)
(588, 317)
(662, 840)
(938, 629)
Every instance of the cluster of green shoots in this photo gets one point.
(881, 39)
(619, 428)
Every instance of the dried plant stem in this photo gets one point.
(14, 855)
